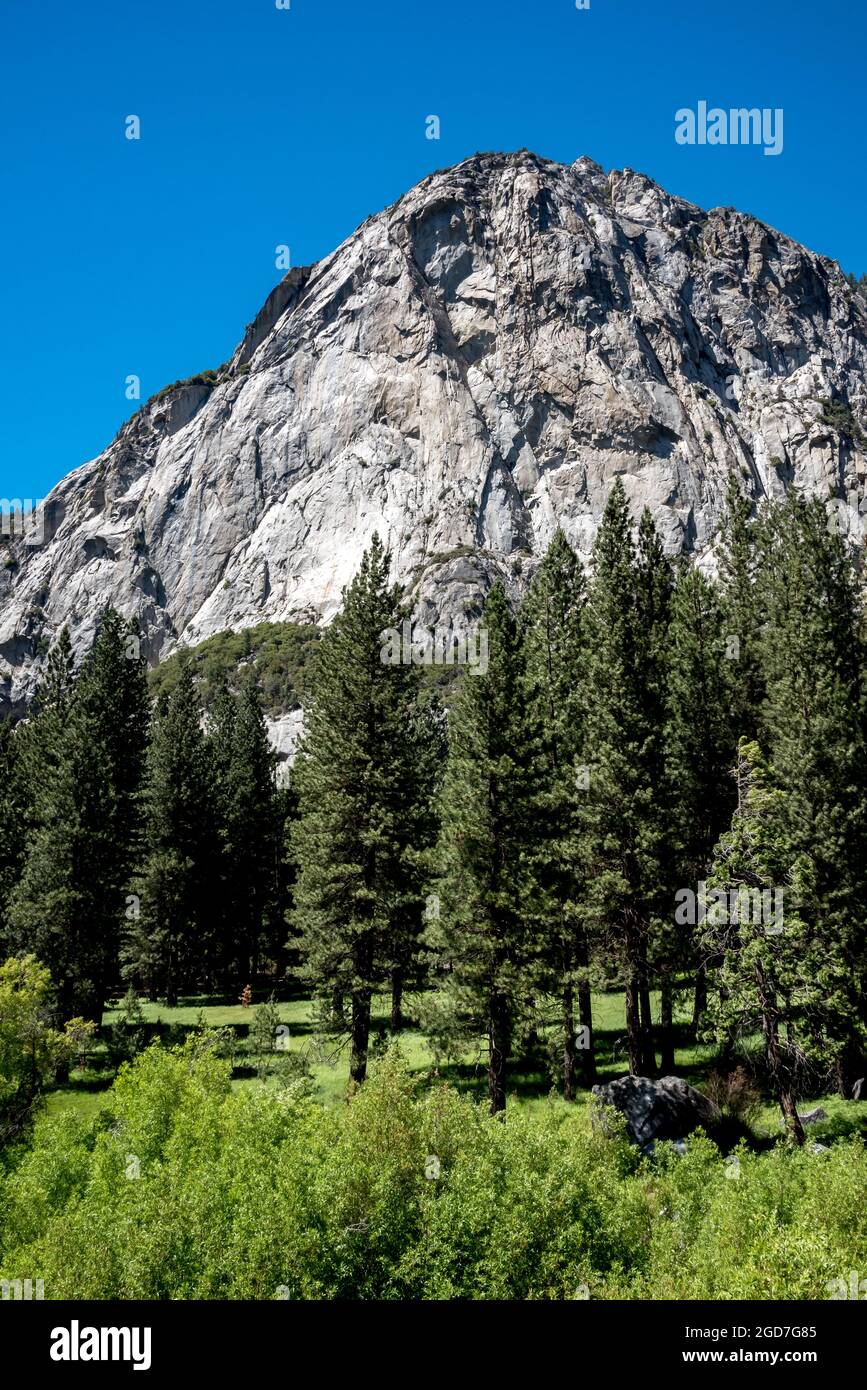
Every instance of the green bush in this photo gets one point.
(838, 415)
(261, 1193)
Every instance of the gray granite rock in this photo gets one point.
(654, 1110)
(470, 369)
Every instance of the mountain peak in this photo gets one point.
(468, 371)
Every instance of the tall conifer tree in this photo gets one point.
(772, 971)
(739, 557)
(700, 755)
(250, 813)
(85, 753)
(482, 939)
(355, 781)
(625, 813)
(654, 586)
(552, 633)
(172, 943)
(13, 811)
(814, 714)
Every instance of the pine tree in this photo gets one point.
(58, 910)
(813, 658)
(250, 816)
(700, 754)
(481, 940)
(624, 817)
(84, 755)
(552, 636)
(171, 942)
(654, 587)
(772, 970)
(30, 755)
(740, 551)
(14, 802)
(355, 782)
(420, 767)
(54, 692)
(116, 707)
(41, 733)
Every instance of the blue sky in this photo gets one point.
(262, 127)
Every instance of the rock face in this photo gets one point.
(469, 370)
(664, 1109)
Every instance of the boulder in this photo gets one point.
(859, 1090)
(810, 1117)
(664, 1109)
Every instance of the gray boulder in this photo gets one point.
(812, 1117)
(809, 1117)
(664, 1109)
(859, 1090)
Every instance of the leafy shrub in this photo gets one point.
(31, 1049)
(735, 1093)
(261, 1193)
(127, 1035)
(838, 415)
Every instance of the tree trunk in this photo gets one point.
(360, 1035)
(498, 1054)
(666, 1026)
(849, 1068)
(633, 1024)
(776, 1065)
(587, 1062)
(700, 1003)
(171, 981)
(790, 1114)
(396, 1000)
(648, 1055)
(338, 1013)
(568, 1042)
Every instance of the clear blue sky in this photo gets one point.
(263, 126)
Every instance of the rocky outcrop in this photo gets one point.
(664, 1109)
(471, 369)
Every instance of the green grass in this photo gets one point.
(530, 1081)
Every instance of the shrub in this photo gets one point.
(736, 1094)
(262, 1193)
(838, 415)
(31, 1050)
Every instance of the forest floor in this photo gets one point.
(531, 1081)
